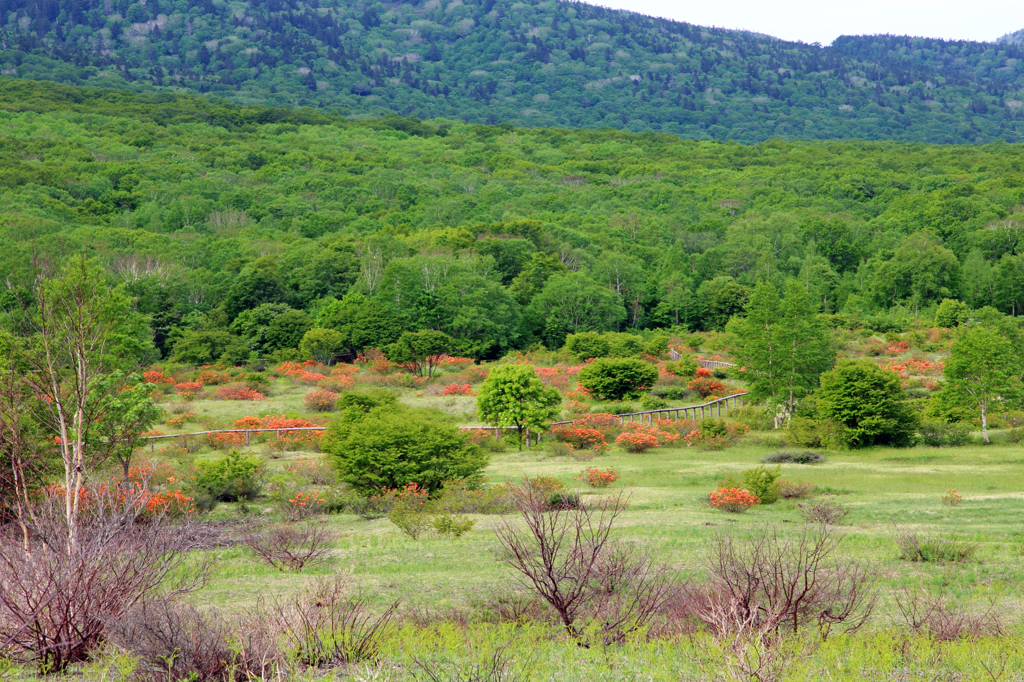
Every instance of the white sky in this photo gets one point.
(824, 20)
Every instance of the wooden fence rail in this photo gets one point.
(708, 409)
(709, 364)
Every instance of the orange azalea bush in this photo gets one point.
(598, 478)
(637, 437)
(181, 419)
(320, 400)
(303, 505)
(188, 390)
(284, 438)
(715, 434)
(225, 441)
(157, 377)
(580, 438)
(213, 378)
(456, 389)
(705, 386)
(735, 500)
(544, 484)
(238, 392)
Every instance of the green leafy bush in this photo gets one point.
(586, 345)
(868, 402)
(650, 402)
(763, 482)
(618, 378)
(805, 457)
(933, 549)
(228, 479)
(391, 446)
(942, 434)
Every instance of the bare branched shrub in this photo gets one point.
(771, 583)
(564, 554)
(173, 641)
(327, 626)
(824, 512)
(511, 606)
(56, 598)
(292, 546)
(936, 613)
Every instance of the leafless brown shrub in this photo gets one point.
(56, 598)
(327, 626)
(935, 612)
(291, 546)
(794, 490)
(173, 641)
(771, 583)
(564, 554)
(824, 512)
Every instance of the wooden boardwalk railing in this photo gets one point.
(707, 409)
(709, 364)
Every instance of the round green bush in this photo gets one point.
(618, 378)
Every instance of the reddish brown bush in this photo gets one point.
(290, 546)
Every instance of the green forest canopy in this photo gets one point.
(498, 236)
(532, 63)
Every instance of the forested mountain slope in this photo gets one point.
(220, 219)
(532, 63)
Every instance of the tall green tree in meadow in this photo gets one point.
(982, 371)
(783, 346)
(514, 396)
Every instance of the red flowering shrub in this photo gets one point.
(337, 383)
(474, 374)
(156, 377)
(705, 386)
(180, 420)
(189, 389)
(637, 441)
(452, 361)
(702, 372)
(288, 368)
(135, 493)
(308, 378)
(544, 484)
(456, 389)
(715, 434)
(601, 421)
(580, 438)
(238, 392)
(559, 376)
(374, 360)
(344, 371)
(897, 348)
(313, 470)
(303, 505)
(598, 478)
(225, 441)
(641, 437)
(284, 438)
(320, 400)
(212, 378)
(735, 500)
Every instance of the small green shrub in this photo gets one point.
(449, 525)
(815, 433)
(685, 367)
(671, 392)
(617, 378)
(800, 457)
(649, 402)
(763, 482)
(586, 345)
(256, 381)
(564, 500)
(228, 479)
(941, 434)
(618, 408)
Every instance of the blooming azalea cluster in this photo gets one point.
(189, 389)
(304, 505)
(456, 389)
(135, 493)
(279, 421)
(452, 361)
(238, 392)
(715, 434)
(156, 377)
(897, 347)
(411, 493)
(181, 419)
(598, 478)
(544, 484)
(224, 441)
(702, 372)
(706, 386)
(951, 498)
(211, 377)
(916, 367)
(642, 437)
(580, 438)
(320, 400)
(559, 376)
(735, 500)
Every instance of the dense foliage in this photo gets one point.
(531, 63)
(390, 447)
(868, 403)
(498, 237)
